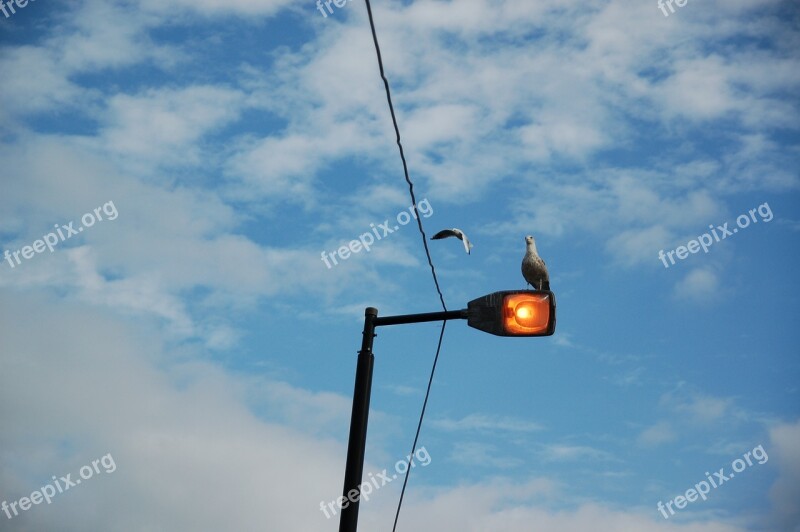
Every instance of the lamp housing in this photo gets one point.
(514, 313)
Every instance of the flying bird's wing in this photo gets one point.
(467, 243)
(458, 233)
(444, 234)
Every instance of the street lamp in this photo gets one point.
(505, 313)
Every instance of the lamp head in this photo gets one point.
(514, 313)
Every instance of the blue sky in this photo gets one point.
(198, 337)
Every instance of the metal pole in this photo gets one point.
(354, 469)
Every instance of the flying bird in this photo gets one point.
(533, 268)
(458, 233)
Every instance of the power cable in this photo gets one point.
(403, 156)
(427, 253)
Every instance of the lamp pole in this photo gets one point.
(354, 470)
(356, 445)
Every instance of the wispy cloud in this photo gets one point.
(657, 434)
(484, 423)
(567, 452)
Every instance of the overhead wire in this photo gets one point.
(402, 154)
(427, 254)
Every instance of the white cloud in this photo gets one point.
(187, 449)
(635, 246)
(35, 81)
(482, 455)
(689, 410)
(784, 452)
(481, 422)
(166, 241)
(495, 506)
(164, 125)
(696, 407)
(566, 452)
(217, 8)
(698, 90)
(700, 285)
(657, 434)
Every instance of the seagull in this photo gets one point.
(533, 268)
(458, 233)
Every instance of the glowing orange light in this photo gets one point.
(526, 313)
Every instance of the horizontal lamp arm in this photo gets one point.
(420, 318)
